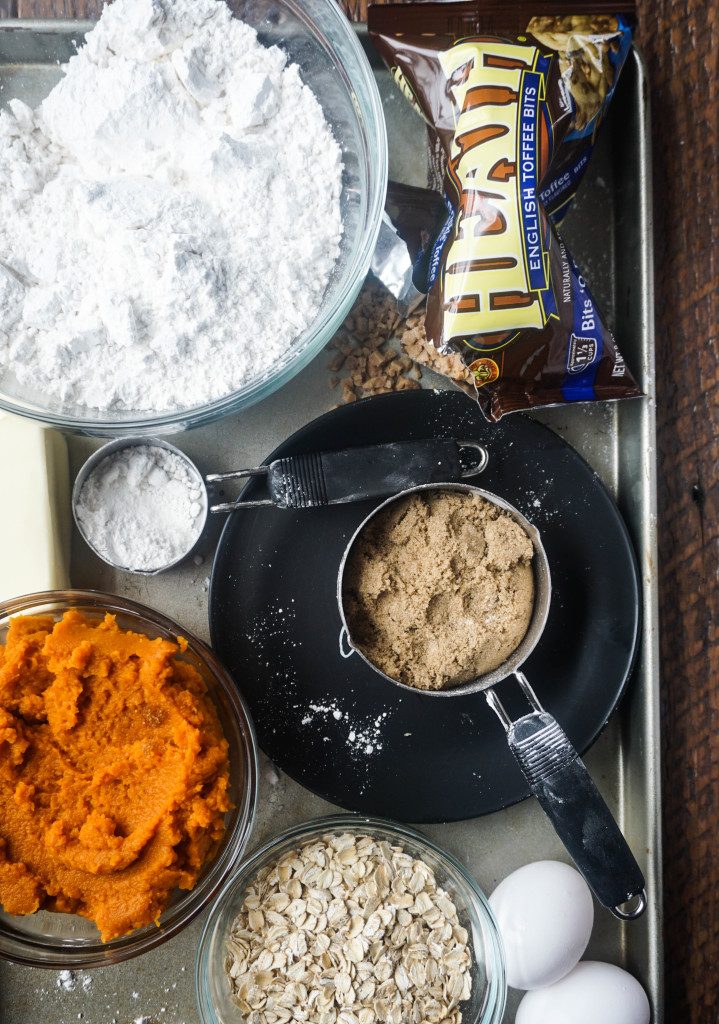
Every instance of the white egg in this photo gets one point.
(545, 914)
(592, 993)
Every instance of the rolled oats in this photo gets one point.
(348, 930)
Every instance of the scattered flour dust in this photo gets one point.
(66, 981)
(169, 215)
(362, 734)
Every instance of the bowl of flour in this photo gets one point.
(187, 217)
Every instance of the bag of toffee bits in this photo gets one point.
(512, 97)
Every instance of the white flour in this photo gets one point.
(66, 981)
(141, 508)
(169, 215)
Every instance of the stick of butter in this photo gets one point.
(35, 508)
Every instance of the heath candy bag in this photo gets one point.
(512, 95)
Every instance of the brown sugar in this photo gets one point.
(439, 588)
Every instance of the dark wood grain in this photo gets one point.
(682, 55)
(681, 47)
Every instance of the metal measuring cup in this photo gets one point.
(555, 773)
(120, 444)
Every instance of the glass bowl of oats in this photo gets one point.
(351, 920)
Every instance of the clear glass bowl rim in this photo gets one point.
(30, 954)
(497, 987)
(365, 97)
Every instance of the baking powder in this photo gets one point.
(141, 508)
(169, 215)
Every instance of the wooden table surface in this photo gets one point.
(681, 47)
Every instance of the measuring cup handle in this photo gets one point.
(346, 648)
(559, 780)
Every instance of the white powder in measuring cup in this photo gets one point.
(141, 508)
(169, 215)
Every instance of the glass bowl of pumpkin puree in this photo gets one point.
(128, 778)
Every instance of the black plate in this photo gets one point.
(330, 721)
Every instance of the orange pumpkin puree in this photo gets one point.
(114, 772)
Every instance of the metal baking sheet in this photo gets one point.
(609, 232)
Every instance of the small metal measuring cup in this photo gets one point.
(555, 773)
(120, 444)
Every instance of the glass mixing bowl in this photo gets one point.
(319, 38)
(49, 939)
(487, 999)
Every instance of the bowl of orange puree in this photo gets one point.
(128, 778)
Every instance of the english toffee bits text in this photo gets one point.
(488, 293)
(525, 106)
